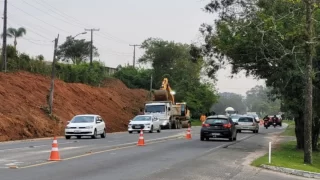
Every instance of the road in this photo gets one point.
(118, 158)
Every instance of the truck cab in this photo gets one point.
(162, 110)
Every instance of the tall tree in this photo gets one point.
(15, 34)
(181, 64)
(77, 51)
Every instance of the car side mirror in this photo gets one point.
(130, 120)
(68, 122)
(98, 122)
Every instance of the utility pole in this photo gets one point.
(134, 54)
(53, 73)
(91, 50)
(4, 42)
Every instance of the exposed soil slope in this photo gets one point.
(23, 94)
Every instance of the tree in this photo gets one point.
(258, 100)
(77, 51)
(181, 64)
(266, 39)
(15, 34)
(228, 99)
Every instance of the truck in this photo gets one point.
(172, 115)
(230, 111)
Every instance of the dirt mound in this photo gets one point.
(22, 96)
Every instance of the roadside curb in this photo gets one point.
(296, 172)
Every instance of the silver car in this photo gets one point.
(235, 117)
(247, 123)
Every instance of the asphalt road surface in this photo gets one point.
(167, 155)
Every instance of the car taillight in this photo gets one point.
(227, 125)
(205, 125)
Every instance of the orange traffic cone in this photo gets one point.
(54, 156)
(141, 139)
(188, 135)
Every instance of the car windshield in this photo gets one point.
(245, 119)
(142, 118)
(83, 119)
(216, 121)
(155, 108)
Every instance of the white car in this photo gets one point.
(145, 123)
(86, 125)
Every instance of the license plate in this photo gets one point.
(138, 126)
(215, 134)
(76, 131)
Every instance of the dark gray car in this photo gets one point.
(218, 126)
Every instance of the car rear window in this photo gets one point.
(216, 121)
(245, 119)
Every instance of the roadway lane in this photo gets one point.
(26, 153)
(125, 163)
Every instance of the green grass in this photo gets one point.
(290, 131)
(195, 122)
(288, 156)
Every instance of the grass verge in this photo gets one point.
(195, 122)
(286, 155)
(290, 130)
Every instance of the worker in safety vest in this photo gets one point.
(202, 118)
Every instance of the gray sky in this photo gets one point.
(121, 22)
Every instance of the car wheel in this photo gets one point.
(257, 131)
(207, 139)
(231, 138)
(201, 138)
(151, 131)
(103, 135)
(130, 132)
(94, 134)
(159, 130)
(78, 137)
(68, 137)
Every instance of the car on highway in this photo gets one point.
(218, 126)
(144, 122)
(235, 117)
(247, 123)
(86, 125)
(256, 117)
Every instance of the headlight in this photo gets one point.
(89, 127)
(67, 127)
(147, 124)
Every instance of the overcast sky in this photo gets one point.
(121, 22)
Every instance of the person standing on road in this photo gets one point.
(141, 112)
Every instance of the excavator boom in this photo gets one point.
(164, 93)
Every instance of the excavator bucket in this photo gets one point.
(160, 95)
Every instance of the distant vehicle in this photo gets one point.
(218, 126)
(235, 117)
(247, 123)
(86, 125)
(144, 122)
(256, 117)
(279, 123)
(230, 111)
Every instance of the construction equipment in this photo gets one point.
(171, 114)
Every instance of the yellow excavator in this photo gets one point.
(177, 113)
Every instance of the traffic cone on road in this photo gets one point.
(141, 139)
(54, 156)
(188, 135)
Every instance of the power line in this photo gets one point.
(39, 19)
(101, 34)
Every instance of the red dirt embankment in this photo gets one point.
(23, 94)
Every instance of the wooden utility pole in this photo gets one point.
(91, 48)
(134, 54)
(53, 73)
(4, 39)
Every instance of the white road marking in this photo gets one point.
(30, 147)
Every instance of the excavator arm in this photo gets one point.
(164, 93)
